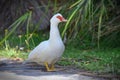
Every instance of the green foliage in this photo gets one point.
(99, 61)
(28, 43)
(13, 27)
(88, 22)
(27, 40)
(88, 25)
(13, 53)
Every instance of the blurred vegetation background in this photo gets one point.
(91, 23)
(92, 30)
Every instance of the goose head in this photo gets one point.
(57, 18)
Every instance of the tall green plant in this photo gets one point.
(100, 23)
(86, 21)
(79, 6)
(15, 25)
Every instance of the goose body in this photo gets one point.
(49, 52)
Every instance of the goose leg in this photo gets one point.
(52, 67)
(47, 67)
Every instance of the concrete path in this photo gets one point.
(12, 70)
(14, 76)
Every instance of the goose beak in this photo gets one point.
(64, 20)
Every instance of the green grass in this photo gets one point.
(99, 61)
(13, 53)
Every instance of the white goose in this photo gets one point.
(49, 51)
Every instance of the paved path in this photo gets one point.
(17, 71)
(51, 76)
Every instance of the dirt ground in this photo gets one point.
(15, 70)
